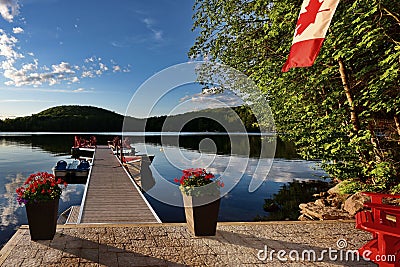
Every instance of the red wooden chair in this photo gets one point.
(383, 222)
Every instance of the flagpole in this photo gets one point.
(345, 81)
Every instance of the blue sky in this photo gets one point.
(91, 52)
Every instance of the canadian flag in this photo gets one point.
(312, 25)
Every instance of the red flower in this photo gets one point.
(196, 178)
(42, 182)
(209, 176)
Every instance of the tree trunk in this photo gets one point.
(353, 114)
(397, 122)
(375, 142)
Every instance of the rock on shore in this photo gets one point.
(332, 205)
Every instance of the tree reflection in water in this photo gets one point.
(284, 205)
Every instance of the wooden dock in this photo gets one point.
(111, 195)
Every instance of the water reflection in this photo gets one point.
(60, 144)
(8, 203)
(238, 204)
(284, 204)
(19, 158)
(22, 155)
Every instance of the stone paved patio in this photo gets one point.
(236, 244)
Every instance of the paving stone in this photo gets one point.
(147, 243)
(106, 238)
(71, 252)
(88, 264)
(90, 255)
(90, 244)
(70, 261)
(173, 245)
(129, 259)
(33, 262)
(74, 243)
(138, 249)
(24, 252)
(108, 259)
(173, 259)
(115, 247)
(52, 256)
(10, 261)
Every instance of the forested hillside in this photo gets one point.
(68, 119)
(94, 119)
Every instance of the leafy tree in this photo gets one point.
(345, 109)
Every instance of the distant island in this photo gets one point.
(74, 118)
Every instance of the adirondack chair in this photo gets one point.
(383, 222)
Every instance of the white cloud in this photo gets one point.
(103, 67)
(7, 64)
(25, 101)
(154, 36)
(63, 68)
(20, 73)
(157, 33)
(90, 59)
(28, 74)
(7, 46)
(18, 30)
(208, 100)
(87, 74)
(116, 68)
(9, 9)
(183, 99)
(148, 21)
(75, 80)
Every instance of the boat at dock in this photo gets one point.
(77, 152)
(83, 147)
(75, 172)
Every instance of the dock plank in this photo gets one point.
(111, 197)
(73, 215)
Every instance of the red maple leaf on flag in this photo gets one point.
(307, 18)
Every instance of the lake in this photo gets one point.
(23, 154)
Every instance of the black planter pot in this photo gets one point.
(201, 219)
(42, 219)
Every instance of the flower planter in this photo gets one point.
(201, 214)
(42, 219)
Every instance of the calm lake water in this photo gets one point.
(21, 155)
